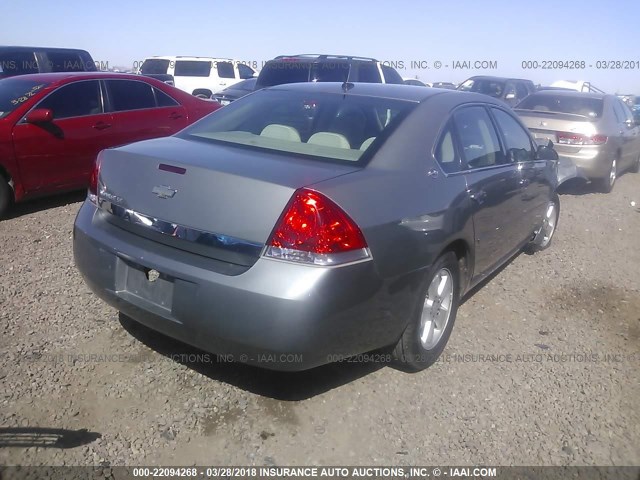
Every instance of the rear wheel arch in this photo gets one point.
(461, 249)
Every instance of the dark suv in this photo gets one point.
(325, 68)
(510, 90)
(25, 60)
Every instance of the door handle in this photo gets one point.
(174, 116)
(101, 125)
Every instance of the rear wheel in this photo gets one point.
(605, 185)
(202, 93)
(544, 235)
(432, 320)
(6, 196)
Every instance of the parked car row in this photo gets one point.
(333, 211)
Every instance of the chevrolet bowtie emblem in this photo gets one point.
(162, 191)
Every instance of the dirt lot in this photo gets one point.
(542, 368)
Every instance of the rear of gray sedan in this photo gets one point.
(310, 222)
(223, 238)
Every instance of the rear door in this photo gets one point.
(141, 111)
(493, 186)
(535, 176)
(61, 153)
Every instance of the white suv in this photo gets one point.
(200, 76)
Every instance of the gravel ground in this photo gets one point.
(542, 367)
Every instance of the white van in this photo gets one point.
(200, 76)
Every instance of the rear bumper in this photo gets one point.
(590, 161)
(274, 315)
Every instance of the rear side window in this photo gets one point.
(130, 95)
(391, 75)
(368, 73)
(75, 100)
(225, 70)
(245, 72)
(478, 138)
(446, 153)
(17, 63)
(573, 104)
(154, 66)
(192, 68)
(65, 62)
(164, 100)
(517, 140)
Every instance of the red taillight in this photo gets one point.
(93, 178)
(315, 230)
(567, 138)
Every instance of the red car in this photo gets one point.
(53, 125)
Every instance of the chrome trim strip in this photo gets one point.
(181, 232)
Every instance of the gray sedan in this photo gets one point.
(307, 223)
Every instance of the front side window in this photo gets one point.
(517, 140)
(130, 95)
(225, 69)
(192, 68)
(74, 100)
(326, 126)
(478, 138)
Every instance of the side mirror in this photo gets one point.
(546, 151)
(39, 115)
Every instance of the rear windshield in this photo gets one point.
(15, 91)
(324, 125)
(573, 104)
(281, 72)
(494, 88)
(154, 66)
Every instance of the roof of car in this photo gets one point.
(570, 93)
(314, 57)
(22, 48)
(187, 57)
(385, 90)
(492, 77)
(60, 76)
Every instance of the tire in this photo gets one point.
(544, 235)
(605, 185)
(202, 93)
(6, 197)
(429, 329)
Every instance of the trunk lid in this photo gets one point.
(216, 200)
(545, 125)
